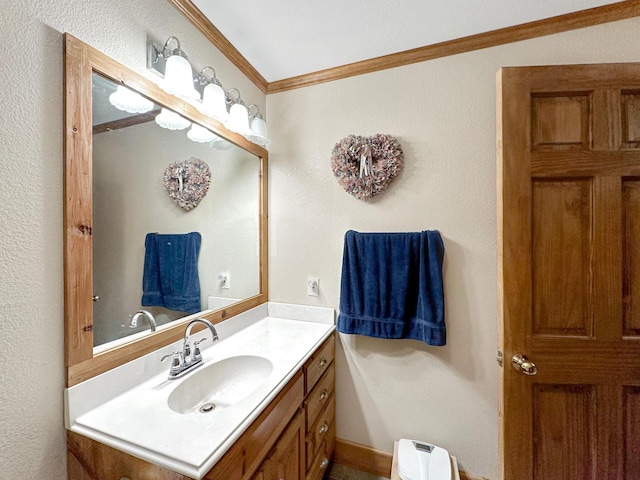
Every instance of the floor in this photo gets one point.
(340, 472)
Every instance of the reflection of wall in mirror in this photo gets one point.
(130, 201)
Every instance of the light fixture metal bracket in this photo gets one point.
(157, 63)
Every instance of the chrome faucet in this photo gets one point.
(143, 313)
(182, 362)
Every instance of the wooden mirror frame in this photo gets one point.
(81, 61)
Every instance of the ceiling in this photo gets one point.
(286, 38)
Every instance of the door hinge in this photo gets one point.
(500, 358)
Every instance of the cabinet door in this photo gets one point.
(285, 463)
(260, 473)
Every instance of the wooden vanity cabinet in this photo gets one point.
(304, 450)
(319, 410)
(292, 439)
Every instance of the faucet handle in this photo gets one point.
(167, 356)
(196, 350)
(176, 362)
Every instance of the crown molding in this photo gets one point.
(209, 30)
(525, 31)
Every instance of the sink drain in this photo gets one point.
(207, 407)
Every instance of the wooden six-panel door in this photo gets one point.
(569, 271)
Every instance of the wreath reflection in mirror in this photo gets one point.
(187, 182)
(365, 166)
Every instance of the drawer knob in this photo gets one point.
(323, 429)
(323, 362)
(324, 464)
(324, 395)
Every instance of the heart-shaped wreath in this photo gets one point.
(187, 182)
(365, 166)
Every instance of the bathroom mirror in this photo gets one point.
(144, 188)
(125, 187)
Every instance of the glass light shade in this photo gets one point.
(239, 119)
(200, 134)
(213, 103)
(178, 78)
(129, 101)
(171, 120)
(259, 132)
(221, 144)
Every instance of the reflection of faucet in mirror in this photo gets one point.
(143, 313)
(183, 362)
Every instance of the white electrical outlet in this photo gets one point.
(313, 286)
(225, 280)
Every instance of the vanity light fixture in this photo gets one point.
(129, 101)
(178, 74)
(171, 120)
(238, 114)
(258, 132)
(213, 97)
(220, 143)
(199, 134)
(225, 107)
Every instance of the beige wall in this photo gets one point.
(32, 442)
(443, 113)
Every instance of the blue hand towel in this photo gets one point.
(170, 276)
(391, 286)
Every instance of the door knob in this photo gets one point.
(524, 365)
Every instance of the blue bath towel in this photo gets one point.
(170, 276)
(392, 286)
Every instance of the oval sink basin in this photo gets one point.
(220, 384)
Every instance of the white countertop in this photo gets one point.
(127, 409)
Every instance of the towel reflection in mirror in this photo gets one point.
(170, 277)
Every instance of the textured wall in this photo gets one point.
(443, 113)
(32, 443)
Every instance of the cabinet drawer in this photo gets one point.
(319, 396)
(323, 457)
(318, 363)
(320, 430)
